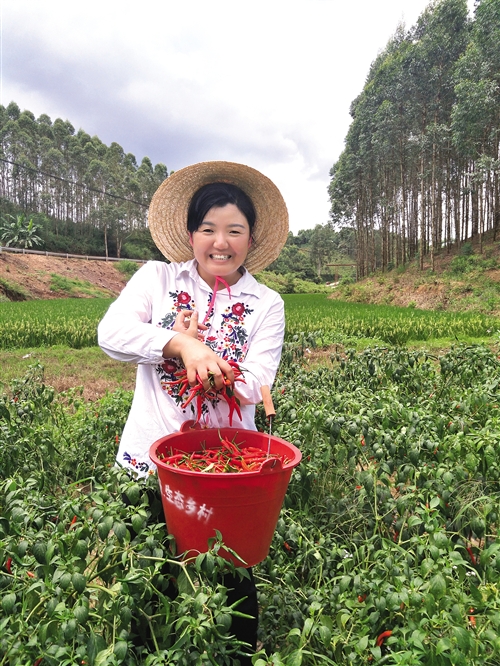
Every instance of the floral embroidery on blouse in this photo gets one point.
(182, 301)
(140, 466)
(228, 342)
(231, 340)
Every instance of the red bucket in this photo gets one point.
(244, 506)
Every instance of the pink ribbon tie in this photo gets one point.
(214, 294)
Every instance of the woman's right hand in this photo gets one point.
(201, 363)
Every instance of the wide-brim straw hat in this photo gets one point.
(168, 211)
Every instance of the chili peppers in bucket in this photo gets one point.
(230, 458)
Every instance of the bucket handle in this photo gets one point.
(190, 425)
(271, 465)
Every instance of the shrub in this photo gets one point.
(466, 250)
(127, 267)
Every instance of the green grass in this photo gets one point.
(11, 291)
(127, 267)
(74, 287)
(67, 368)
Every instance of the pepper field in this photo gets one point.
(386, 550)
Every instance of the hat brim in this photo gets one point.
(169, 209)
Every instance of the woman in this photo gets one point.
(217, 222)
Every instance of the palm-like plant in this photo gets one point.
(19, 231)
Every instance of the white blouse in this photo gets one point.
(246, 326)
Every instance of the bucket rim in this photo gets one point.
(297, 455)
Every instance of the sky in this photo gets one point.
(267, 83)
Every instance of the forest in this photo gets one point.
(419, 174)
(85, 197)
(420, 168)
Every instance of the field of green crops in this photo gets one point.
(73, 322)
(387, 549)
(332, 320)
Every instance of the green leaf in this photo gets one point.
(475, 593)
(363, 644)
(325, 635)
(417, 638)
(102, 656)
(79, 582)
(462, 637)
(437, 586)
(183, 583)
(308, 625)
(443, 645)
(295, 659)
(344, 583)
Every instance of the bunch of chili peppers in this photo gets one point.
(198, 392)
(229, 457)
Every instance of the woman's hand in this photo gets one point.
(187, 322)
(199, 360)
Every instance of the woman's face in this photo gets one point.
(221, 243)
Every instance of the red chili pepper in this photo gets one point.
(382, 637)
(38, 661)
(471, 555)
(199, 407)
(73, 521)
(8, 565)
(30, 574)
(198, 391)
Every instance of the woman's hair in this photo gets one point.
(218, 195)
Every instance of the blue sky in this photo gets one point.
(267, 83)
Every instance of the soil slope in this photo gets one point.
(33, 275)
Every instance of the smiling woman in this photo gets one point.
(216, 222)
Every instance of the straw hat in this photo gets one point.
(169, 208)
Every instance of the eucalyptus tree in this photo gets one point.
(84, 186)
(438, 40)
(394, 180)
(476, 117)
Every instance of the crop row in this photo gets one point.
(386, 551)
(332, 320)
(73, 322)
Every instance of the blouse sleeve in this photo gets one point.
(264, 353)
(126, 333)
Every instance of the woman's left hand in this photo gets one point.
(187, 322)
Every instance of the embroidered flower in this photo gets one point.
(183, 297)
(170, 367)
(238, 309)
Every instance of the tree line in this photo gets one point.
(79, 189)
(67, 191)
(420, 168)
